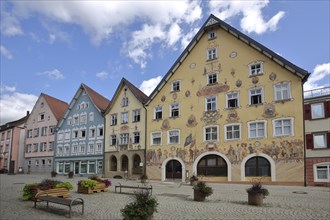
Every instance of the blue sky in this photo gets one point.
(54, 46)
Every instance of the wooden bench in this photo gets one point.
(42, 196)
(120, 186)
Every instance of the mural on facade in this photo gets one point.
(212, 90)
(210, 117)
(269, 111)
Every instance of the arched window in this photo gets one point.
(136, 164)
(212, 165)
(113, 163)
(124, 163)
(257, 166)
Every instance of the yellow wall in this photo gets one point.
(284, 150)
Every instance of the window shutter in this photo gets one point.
(308, 114)
(327, 109)
(328, 140)
(309, 141)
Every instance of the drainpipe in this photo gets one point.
(304, 133)
(145, 143)
(11, 151)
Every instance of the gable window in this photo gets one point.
(75, 120)
(282, 127)
(211, 35)
(69, 121)
(123, 138)
(256, 96)
(83, 119)
(211, 133)
(67, 135)
(317, 110)
(136, 115)
(320, 140)
(212, 78)
(232, 100)
(124, 117)
(158, 112)
(113, 119)
(124, 101)
(321, 172)
(257, 129)
(282, 91)
(113, 139)
(212, 53)
(91, 116)
(174, 110)
(156, 138)
(173, 137)
(41, 116)
(233, 132)
(175, 86)
(256, 69)
(136, 137)
(211, 103)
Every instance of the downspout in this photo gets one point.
(145, 142)
(304, 134)
(11, 151)
(104, 132)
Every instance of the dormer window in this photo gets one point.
(256, 69)
(175, 86)
(211, 35)
(124, 101)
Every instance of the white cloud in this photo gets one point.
(320, 77)
(52, 74)
(15, 105)
(147, 86)
(102, 75)
(4, 88)
(9, 24)
(5, 52)
(251, 12)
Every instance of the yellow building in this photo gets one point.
(228, 110)
(125, 120)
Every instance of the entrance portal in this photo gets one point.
(173, 170)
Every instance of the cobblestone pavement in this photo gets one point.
(229, 201)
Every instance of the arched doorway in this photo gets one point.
(113, 163)
(124, 163)
(136, 164)
(173, 170)
(257, 166)
(212, 165)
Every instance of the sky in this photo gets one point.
(53, 46)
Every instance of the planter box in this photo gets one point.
(255, 199)
(198, 196)
(58, 192)
(100, 187)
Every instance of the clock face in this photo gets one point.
(233, 54)
(192, 65)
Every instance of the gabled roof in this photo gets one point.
(16, 123)
(212, 22)
(57, 106)
(136, 92)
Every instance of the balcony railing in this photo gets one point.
(317, 92)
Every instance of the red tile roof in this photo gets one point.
(99, 101)
(58, 107)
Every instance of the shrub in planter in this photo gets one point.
(70, 174)
(193, 179)
(201, 190)
(256, 193)
(93, 183)
(143, 207)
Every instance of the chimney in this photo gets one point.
(27, 113)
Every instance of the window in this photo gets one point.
(91, 167)
(37, 163)
(43, 162)
(124, 101)
(211, 35)
(75, 149)
(317, 110)
(92, 132)
(82, 148)
(211, 133)
(41, 117)
(29, 134)
(74, 134)
(211, 103)
(83, 119)
(100, 132)
(257, 129)
(35, 147)
(75, 120)
(91, 116)
(233, 132)
(282, 91)
(320, 141)
(83, 167)
(212, 54)
(113, 119)
(136, 137)
(212, 165)
(66, 167)
(256, 96)
(282, 127)
(232, 100)
(43, 131)
(51, 130)
(136, 115)
(59, 150)
(36, 132)
(50, 146)
(322, 172)
(60, 167)
(91, 148)
(49, 162)
(123, 139)
(175, 86)
(173, 137)
(124, 117)
(67, 135)
(28, 148)
(43, 146)
(256, 69)
(174, 110)
(257, 166)
(113, 140)
(212, 78)
(82, 133)
(158, 112)
(99, 147)
(69, 121)
(66, 150)
(156, 138)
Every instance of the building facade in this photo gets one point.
(12, 146)
(40, 134)
(125, 121)
(80, 134)
(228, 110)
(317, 129)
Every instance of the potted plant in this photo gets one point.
(93, 184)
(143, 178)
(143, 206)
(53, 173)
(201, 190)
(193, 180)
(52, 187)
(70, 174)
(256, 193)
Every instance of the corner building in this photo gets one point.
(228, 110)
